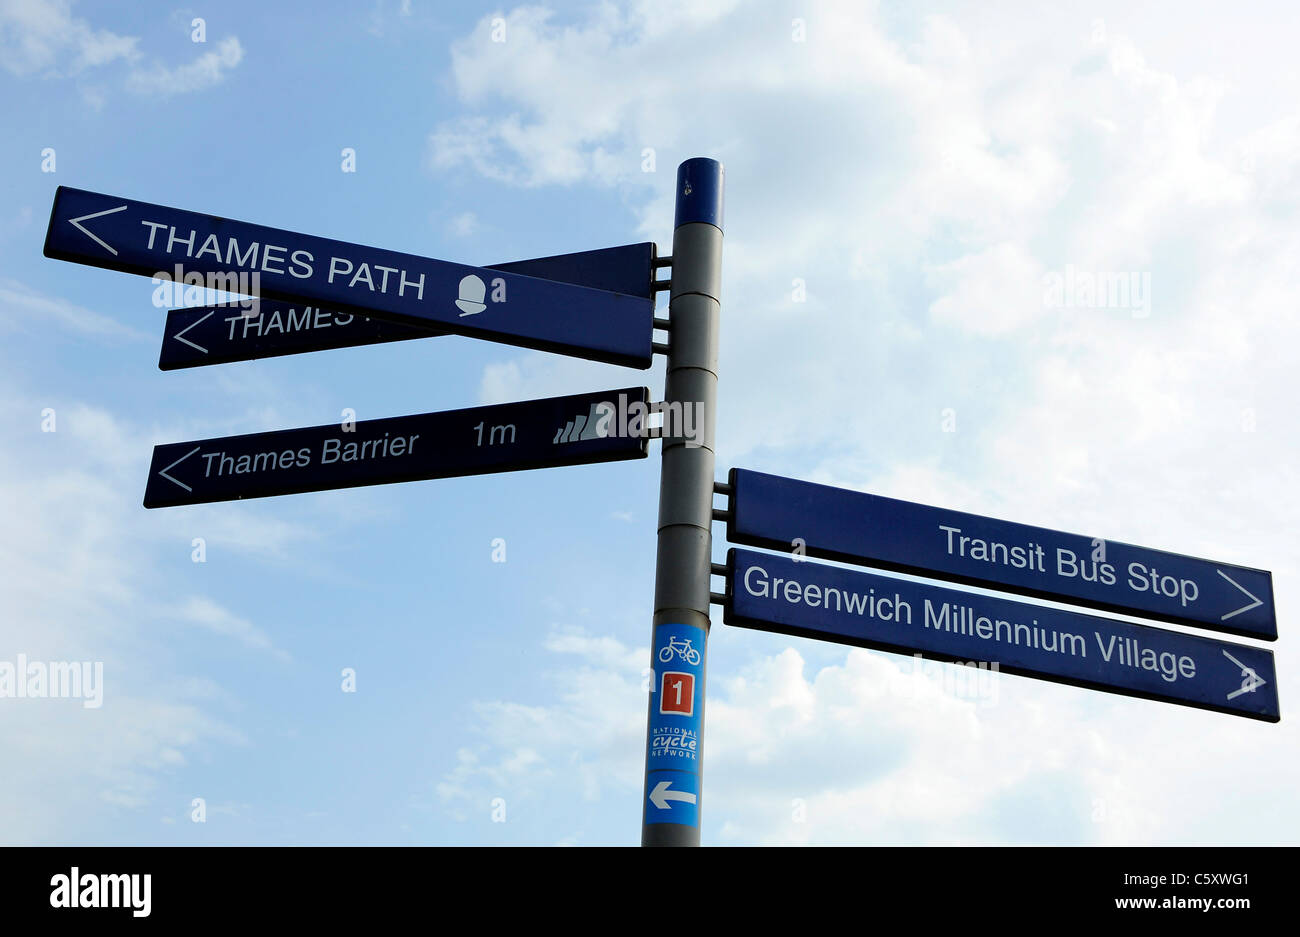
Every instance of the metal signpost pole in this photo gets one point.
(674, 753)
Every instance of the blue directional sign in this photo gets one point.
(781, 594)
(673, 753)
(248, 259)
(837, 524)
(219, 334)
(572, 430)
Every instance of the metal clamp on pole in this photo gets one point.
(671, 806)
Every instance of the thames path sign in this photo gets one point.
(142, 238)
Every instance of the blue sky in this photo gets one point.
(921, 169)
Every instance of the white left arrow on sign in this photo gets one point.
(77, 223)
(163, 472)
(663, 795)
(186, 341)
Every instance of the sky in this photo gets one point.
(904, 182)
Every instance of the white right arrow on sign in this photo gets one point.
(1250, 681)
(1254, 601)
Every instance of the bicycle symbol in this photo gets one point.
(682, 649)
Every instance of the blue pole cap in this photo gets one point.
(699, 192)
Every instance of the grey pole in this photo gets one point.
(674, 741)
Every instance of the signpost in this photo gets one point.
(219, 334)
(838, 524)
(778, 593)
(314, 293)
(254, 260)
(670, 805)
(556, 431)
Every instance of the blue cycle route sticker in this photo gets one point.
(676, 714)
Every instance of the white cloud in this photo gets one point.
(499, 382)
(994, 290)
(208, 614)
(42, 36)
(464, 225)
(20, 306)
(528, 747)
(597, 651)
(208, 69)
(543, 375)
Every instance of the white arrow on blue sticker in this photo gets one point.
(663, 794)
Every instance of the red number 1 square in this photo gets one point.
(677, 693)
